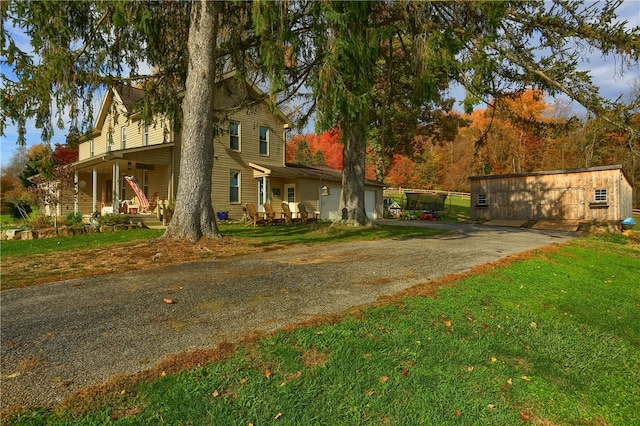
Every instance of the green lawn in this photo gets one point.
(552, 340)
(75, 242)
(263, 235)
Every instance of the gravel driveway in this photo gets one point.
(60, 337)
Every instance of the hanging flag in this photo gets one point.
(142, 199)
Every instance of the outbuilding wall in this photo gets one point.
(554, 195)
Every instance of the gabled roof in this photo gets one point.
(128, 96)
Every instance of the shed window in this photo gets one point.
(600, 196)
(482, 199)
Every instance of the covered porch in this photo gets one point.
(101, 182)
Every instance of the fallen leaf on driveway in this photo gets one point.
(169, 301)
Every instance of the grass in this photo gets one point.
(552, 339)
(75, 242)
(260, 236)
(456, 207)
(7, 222)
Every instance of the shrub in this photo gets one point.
(35, 220)
(73, 220)
(113, 219)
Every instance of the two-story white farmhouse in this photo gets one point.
(249, 164)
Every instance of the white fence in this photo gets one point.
(463, 195)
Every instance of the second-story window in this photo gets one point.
(264, 141)
(145, 135)
(123, 137)
(234, 136)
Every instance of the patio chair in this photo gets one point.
(153, 203)
(288, 215)
(271, 214)
(304, 214)
(252, 215)
(133, 206)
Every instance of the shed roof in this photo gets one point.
(555, 172)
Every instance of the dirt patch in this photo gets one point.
(23, 271)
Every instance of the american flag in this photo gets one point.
(133, 183)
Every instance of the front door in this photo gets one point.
(290, 196)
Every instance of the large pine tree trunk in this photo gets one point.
(352, 210)
(194, 217)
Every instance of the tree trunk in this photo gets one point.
(352, 210)
(194, 217)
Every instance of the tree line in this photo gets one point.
(519, 133)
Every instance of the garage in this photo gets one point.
(602, 194)
(329, 203)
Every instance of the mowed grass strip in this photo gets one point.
(553, 340)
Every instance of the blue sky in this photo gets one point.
(605, 72)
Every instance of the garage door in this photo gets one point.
(330, 203)
(370, 204)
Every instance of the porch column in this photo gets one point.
(94, 182)
(265, 194)
(75, 192)
(116, 186)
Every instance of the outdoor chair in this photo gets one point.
(288, 215)
(271, 214)
(153, 203)
(133, 206)
(304, 214)
(253, 216)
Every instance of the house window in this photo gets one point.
(482, 200)
(600, 196)
(264, 141)
(234, 186)
(123, 137)
(145, 135)
(234, 136)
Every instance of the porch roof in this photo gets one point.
(116, 155)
